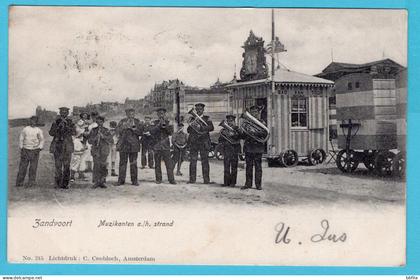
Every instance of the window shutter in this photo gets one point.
(316, 112)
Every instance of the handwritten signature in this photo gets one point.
(325, 234)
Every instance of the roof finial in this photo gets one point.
(332, 55)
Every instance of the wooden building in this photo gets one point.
(370, 102)
(383, 69)
(296, 113)
(401, 101)
(371, 110)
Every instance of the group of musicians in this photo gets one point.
(73, 144)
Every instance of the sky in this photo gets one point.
(66, 56)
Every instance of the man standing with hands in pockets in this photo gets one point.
(128, 131)
(31, 142)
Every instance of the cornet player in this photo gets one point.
(62, 147)
(231, 147)
(101, 140)
(199, 130)
(253, 155)
(160, 132)
(128, 132)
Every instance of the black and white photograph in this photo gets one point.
(214, 136)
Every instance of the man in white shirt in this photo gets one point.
(31, 142)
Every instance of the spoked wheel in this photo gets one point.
(369, 159)
(316, 156)
(218, 152)
(347, 162)
(399, 165)
(289, 158)
(384, 163)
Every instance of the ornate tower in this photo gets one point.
(254, 66)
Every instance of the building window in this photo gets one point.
(357, 85)
(299, 114)
(349, 86)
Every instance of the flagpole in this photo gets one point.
(270, 98)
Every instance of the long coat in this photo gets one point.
(128, 132)
(161, 135)
(62, 131)
(196, 139)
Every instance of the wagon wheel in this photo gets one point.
(347, 162)
(383, 162)
(219, 152)
(316, 156)
(324, 155)
(399, 165)
(369, 159)
(289, 158)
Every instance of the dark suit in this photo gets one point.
(161, 147)
(200, 143)
(253, 157)
(147, 148)
(62, 148)
(128, 145)
(101, 146)
(179, 139)
(230, 157)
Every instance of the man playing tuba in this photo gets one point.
(199, 130)
(231, 147)
(254, 147)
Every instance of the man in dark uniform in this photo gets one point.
(62, 147)
(231, 147)
(146, 145)
(253, 155)
(128, 130)
(199, 142)
(101, 140)
(160, 132)
(179, 140)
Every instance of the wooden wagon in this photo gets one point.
(369, 113)
(296, 114)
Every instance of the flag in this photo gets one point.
(278, 47)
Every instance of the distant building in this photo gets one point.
(164, 94)
(44, 115)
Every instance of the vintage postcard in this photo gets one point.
(219, 136)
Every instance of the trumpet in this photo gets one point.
(162, 123)
(228, 132)
(197, 123)
(254, 128)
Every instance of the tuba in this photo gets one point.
(254, 128)
(228, 133)
(197, 123)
